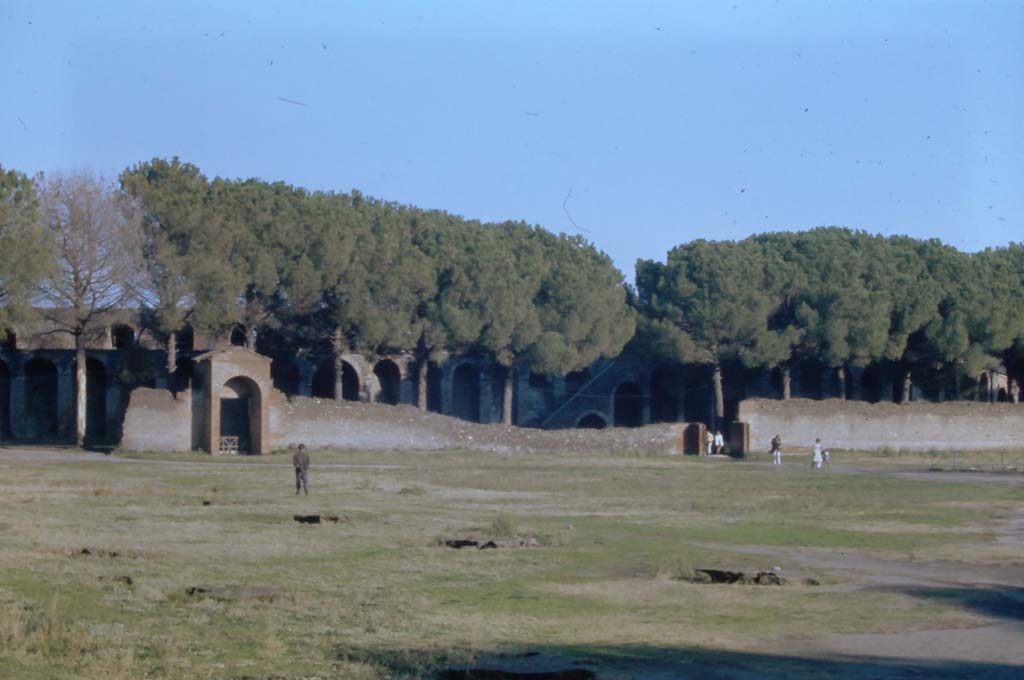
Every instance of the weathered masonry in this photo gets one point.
(227, 394)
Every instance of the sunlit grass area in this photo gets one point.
(97, 560)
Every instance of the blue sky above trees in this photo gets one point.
(645, 124)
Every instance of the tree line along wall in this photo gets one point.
(314, 274)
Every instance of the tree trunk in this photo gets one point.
(841, 378)
(172, 354)
(80, 387)
(906, 387)
(719, 396)
(787, 380)
(421, 385)
(339, 345)
(506, 400)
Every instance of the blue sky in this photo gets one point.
(649, 123)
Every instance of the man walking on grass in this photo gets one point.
(301, 462)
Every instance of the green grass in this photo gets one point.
(376, 597)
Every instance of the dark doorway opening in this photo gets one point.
(324, 382)
(122, 336)
(389, 377)
(592, 421)
(240, 412)
(434, 391)
(285, 376)
(95, 401)
(350, 387)
(629, 406)
(40, 399)
(466, 393)
(238, 336)
(664, 395)
(984, 388)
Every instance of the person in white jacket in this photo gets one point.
(816, 454)
(719, 443)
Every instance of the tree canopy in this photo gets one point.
(372, 276)
(838, 297)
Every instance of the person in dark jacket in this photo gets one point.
(301, 462)
(776, 450)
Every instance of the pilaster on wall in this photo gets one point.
(19, 393)
(486, 397)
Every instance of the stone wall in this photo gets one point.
(858, 425)
(323, 423)
(157, 420)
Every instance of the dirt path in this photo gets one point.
(993, 592)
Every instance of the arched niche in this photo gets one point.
(389, 377)
(629, 405)
(592, 421)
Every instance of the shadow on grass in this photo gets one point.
(1003, 602)
(545, 662)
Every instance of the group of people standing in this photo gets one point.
(715, 443)
(819, 454)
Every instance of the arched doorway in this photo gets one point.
(40, 399)
(5, 401)
(466, 393)
(592, 421)
(983, 387)
(240, 413)
(238, 336)
(350, 386)
(122, 336)
(389, 377)
(629, 406)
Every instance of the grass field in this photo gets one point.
(96, 560)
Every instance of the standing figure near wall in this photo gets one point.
(816, 454)
(709, 440)
(301, 463)
(776, 450)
